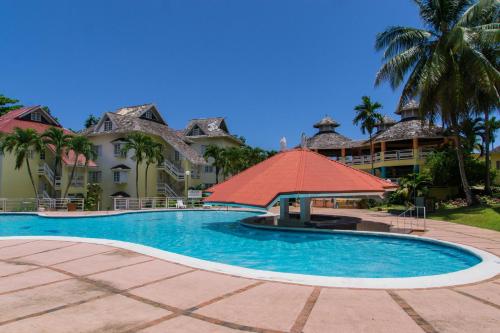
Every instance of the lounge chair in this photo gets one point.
(180, 204)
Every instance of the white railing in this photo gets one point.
(166, 190)
(172, 169)
(412, 219)
(425, 151)
(33, 204)
(45, 170)
(154, 203)
(389, 155)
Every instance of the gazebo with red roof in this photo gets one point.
(298, 173)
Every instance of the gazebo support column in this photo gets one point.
(284, 209)
(305, 209)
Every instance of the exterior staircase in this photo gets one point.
(45, 171)
(166, 190)
(173, 170)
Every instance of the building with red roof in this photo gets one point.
(16, 183)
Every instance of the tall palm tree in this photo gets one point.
(217, 154)
(154, 154)
(58, 140)
(81, 147)
(138, 142)
(368, 117)
(470, 132)
(23, 142)
(443, 62)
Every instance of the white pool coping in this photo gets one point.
(488, 268)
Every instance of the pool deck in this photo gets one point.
(57, 286)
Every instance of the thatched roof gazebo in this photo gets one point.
(327, 137)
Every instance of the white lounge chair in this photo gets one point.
(180, 204)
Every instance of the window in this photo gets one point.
(177, 156)
(148, 114)
(42, 155)
(203, 149)
(36, 116)
(30, 154)
(209, 169)
(119, 177)
(108, 126)
(118, 150)
(498, 165)
(196, 131)
(116, 176)
(95, 176)
(97, 150)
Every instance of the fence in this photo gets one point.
(33, 204)
(156, 203)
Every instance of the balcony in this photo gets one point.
(389, 155)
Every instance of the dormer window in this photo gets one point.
(148, 115)
(36, 116)
(196, 131)
(108, 126)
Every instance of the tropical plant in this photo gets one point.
(138, 142)
(492, 126)
(368, 117)
(219, 160)
(414, 185)
(444, 65)
(57, 140)
(94, 192)
(8, 104)
(23, 143)
(470, 130)
(153, 154)
(81, 148)
(91, 121)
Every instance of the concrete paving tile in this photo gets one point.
(25, 302)
(60, 255)
(448, 311)
(488, 291)
(187, 325)
(270, 305)
(30, 248)
(191, 289)
(110, 314)
(102, 262)
(7, 268)
(30, 279)
(128, 277)
(343, 310)
(10, 242)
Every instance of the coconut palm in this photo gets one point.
(138, 142)
(154, 154)
(81, 147)
(217, 154)
(23, 143)
(57, 140)
(444, 65)
(470, 132)
(368, 117)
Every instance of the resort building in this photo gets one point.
(49, 182)
(184, 165)
(495, 163)
(399, 147)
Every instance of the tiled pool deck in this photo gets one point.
(55, 286)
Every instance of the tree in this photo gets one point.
(91, 121)
(368, 117)
(8, 104)
(470, 130)
(414, 185)
(81, 147)
(23, 143)
(138, 142)
(444, 65)
(57, 140)
(153, 154)
(217, 154)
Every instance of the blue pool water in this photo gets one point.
(217, 236)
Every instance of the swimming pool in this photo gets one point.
(218, 237)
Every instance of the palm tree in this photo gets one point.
(154, 154)
(443, 65)
(368, 117)
(470, 131)
(58, 140)
(23, 142)
(217, 154)
(138, 142)
(81, 147)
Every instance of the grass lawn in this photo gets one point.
(482, 217)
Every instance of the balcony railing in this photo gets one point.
(389, 155)
(172, 169)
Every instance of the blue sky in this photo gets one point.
(272, 68)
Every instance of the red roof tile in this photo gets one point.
(295, 172)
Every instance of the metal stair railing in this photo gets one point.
(173, 170)
(414, 218)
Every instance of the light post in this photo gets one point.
(187, 173)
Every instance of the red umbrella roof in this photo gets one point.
(296, 171)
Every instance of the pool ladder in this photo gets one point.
(412, 219)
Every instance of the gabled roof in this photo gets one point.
(123, 124)
(295, 172)
(121, 167)
(138, 111)
(208, 127)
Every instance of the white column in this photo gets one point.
(284, 209)
(305, 209)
